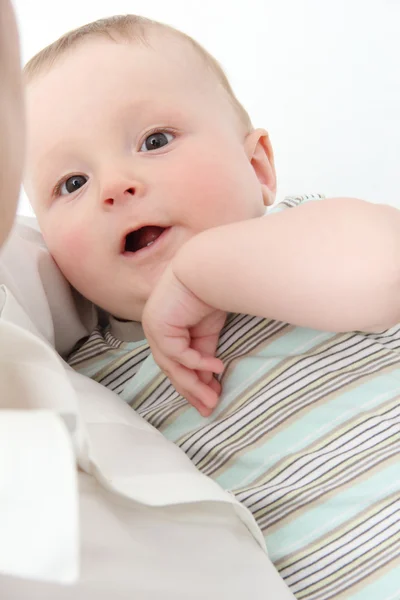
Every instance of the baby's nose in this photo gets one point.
(121, 195)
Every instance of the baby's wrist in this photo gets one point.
(187, 264)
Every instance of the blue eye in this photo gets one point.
(156, 140)
(70, 185)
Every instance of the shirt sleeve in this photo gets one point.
(38, 498)
(38, 433)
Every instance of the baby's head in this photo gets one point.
(136, 143)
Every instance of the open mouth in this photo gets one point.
(142, 238)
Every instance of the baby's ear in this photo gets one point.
(259, 151)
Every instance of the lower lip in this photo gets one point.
(147, 250)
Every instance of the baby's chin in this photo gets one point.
(130, 309)
(125, 299)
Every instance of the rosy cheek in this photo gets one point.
(70, 248)
(208, 195)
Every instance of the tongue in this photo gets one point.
(147, 235)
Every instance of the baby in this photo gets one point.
(150, 186)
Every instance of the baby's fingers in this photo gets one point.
(177, 349)
(201, 408)
(192, 359)
(208, 378)
(204, 397)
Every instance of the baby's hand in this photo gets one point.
(183, 335)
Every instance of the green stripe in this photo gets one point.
(322, 519)
(386, 587)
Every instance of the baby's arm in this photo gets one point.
(332, 265)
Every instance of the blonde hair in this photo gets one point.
(128, 28)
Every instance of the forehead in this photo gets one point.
(99, 72)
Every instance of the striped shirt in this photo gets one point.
(306, 435)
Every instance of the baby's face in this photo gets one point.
(127, 138)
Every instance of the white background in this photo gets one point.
(323, 76)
